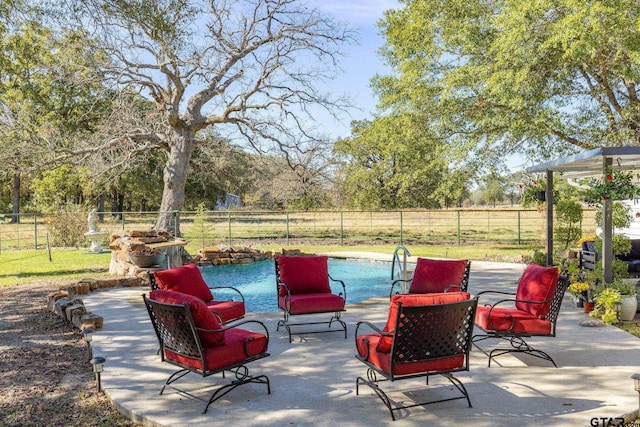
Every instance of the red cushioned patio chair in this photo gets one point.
(188, 280)
(303, 287)
(436, 276)
(532, 311)
(425, 335)
(192, 338)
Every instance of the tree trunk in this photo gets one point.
(117, 202)
(101, 208)
(175, 179)
(15, 198)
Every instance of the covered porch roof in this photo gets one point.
(583, 165)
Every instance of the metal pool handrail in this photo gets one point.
(402, 266)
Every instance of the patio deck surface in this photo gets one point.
(313, 378)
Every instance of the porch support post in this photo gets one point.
(607, 229)
(549, 199)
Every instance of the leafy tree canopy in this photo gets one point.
(391, 162)
(496, 77)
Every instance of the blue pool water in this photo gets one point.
(363, 279)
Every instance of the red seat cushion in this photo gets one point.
(232, 352)
(227, 310)
(537, 284)
(186, 279)
(409, 300)
(367, 346)
(502, 319)
(304, 274)
(311, 303)
(434, 275)
(202, 317)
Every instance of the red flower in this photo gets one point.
(609, 177)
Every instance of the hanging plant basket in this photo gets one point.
(614, 185)
(535, 193)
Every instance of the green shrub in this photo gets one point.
(568, 217)
(605, 307)
(539, 258)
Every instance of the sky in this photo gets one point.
(361, 62)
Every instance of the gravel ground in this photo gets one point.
(45, 375)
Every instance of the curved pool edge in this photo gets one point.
(376, 256)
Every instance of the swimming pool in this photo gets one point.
(363, 279)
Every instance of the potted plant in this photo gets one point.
(581, 292)
(533, 194)
(146, 258)
(614, 185)
(629, 302)
(588, 242)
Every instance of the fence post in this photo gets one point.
(287, 222)
(401, 236)
(175, 222)
(229, 227)
(35, 231)
(341, 228)
(488, 224)
(519, 241)
(458, 227)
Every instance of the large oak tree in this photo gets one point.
(246, 68)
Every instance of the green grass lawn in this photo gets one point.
(30, 265)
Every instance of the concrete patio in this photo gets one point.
(313, 378)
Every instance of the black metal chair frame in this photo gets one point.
(463, 284)
(421, 337)
(176, 331)
(154, 285)
(517, 339)
(286, 313)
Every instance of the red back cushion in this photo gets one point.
(537, 284)
(186, 279)
(304, 274)
(409, 300)
(202, 316)
(434, 275)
